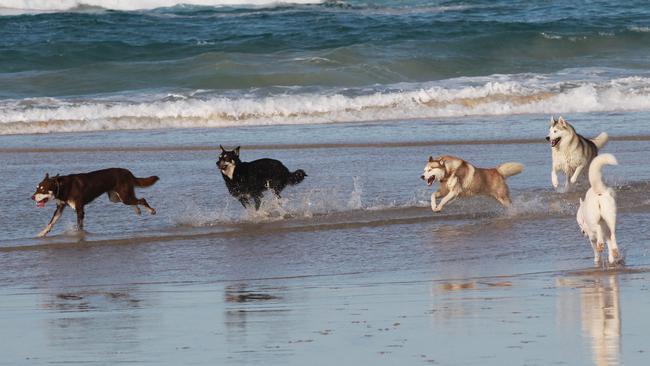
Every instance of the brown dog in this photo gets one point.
(460, 178)
(78, 190)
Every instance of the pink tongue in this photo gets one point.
(40, 204)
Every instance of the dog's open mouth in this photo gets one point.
(42, 202)
(555, 142)
(431, 179)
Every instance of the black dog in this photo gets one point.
(246, 180)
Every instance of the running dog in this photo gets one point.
(596, 215)
(78, 190)
(571, 152)
(460, 178)
(249, 180)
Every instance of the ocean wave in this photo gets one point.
(490, 96)
(37, 6)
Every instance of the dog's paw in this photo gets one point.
(436, 209)
(42, 233)
(600, 247)
(152, 211)
(615, 257)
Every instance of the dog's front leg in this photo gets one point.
(576, 173)
(446, 199)
(53, 220)
(554, 180)
(434, 195)
(244, 201)
(437, 194)
(80, 217)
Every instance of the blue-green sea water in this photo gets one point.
(84, 65)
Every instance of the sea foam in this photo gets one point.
(489, 96)
(36, 6)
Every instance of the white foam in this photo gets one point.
(489, 96)
(35, 6)
(639, 29)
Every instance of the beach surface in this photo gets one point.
(351, 266)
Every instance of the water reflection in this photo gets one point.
(600, 314)
(91, 319)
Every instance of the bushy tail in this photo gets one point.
(510, 169)
(297, 177)
(596, 174)
(600, 140)
(146, 182)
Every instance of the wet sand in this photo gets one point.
(349, 267)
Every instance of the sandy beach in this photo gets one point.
(351, 267)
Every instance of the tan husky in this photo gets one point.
(460, 178)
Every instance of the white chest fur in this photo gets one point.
(69, 203)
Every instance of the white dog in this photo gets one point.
(597, 213)
(571, 152)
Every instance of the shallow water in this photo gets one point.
(351, 261)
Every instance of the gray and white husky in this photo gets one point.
(571, 152)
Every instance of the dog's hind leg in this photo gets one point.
(600, 238)
(594, 246)
(53, 220)
(504, 201)
(609, 217)
(128, 198)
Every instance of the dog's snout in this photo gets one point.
(33, 197)
(422, 177)
(548, 138)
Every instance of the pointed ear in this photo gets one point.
(57, 175)
(561, 121)
(237, 150)
(430, 159)
(552, 122)
(47, 176)
(222, 149)
(581, 201)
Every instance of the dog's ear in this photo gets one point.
(222, 149)
(237, 150)
(47, 176)
(430, 159)
(581, 201)
(561, 121)
(57, 175)
(552, 122)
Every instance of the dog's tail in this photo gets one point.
(510, 169)
(600, 140)
(146, 182)
(297, 177)
(596, 174)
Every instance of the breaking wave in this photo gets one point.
(490, 96)
(37, 6)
